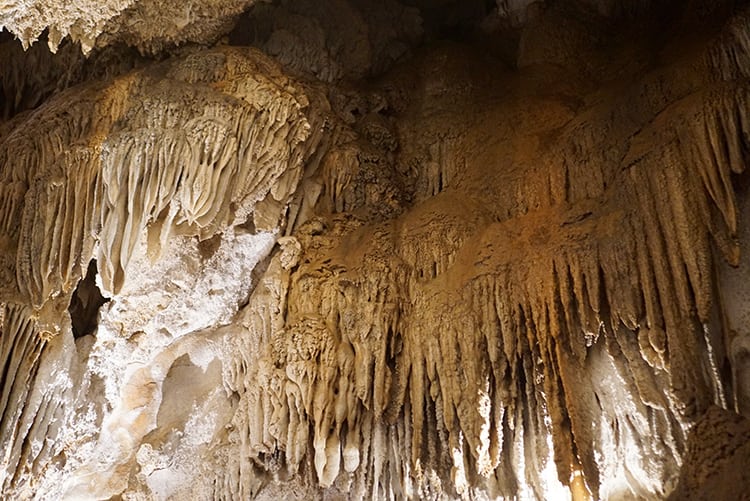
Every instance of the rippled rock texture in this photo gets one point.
(359, 249)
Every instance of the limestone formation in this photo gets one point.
(356, 249)
(149, 25)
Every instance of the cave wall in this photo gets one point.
(349, 249)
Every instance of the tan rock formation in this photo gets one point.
(150, 25)
(717, 455)
(436, 251)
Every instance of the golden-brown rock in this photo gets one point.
(460, 279)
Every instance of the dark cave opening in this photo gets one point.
(85, 303)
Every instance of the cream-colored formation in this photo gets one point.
(462, 279)
(161, 176)
(149, 25)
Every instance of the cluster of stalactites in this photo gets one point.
(150, 26)
(434, 369)
(115, 169)
(142, 158)
(441, 353)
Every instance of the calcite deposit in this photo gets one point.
(350, 249)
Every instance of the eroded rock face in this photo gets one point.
(150, 25)
(718, 450)
(396, 253)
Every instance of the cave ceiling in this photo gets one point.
(399, 249)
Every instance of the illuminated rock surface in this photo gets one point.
(359, 249)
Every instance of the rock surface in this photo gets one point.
(358, 249)
(716, 459)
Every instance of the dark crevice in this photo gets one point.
(6, 36)
(85, 304)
